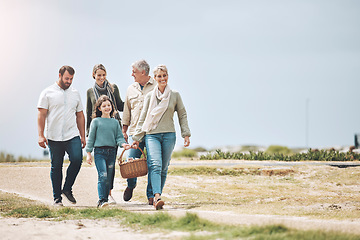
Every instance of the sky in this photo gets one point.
(260, 72)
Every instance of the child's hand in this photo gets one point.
(126, 146)
(89, 158)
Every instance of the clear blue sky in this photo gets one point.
(245, 69)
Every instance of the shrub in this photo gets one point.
(318, 155)
(186, 152)
(278, 149)
(200, 149)
(6, 157)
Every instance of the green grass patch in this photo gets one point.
(15, 206)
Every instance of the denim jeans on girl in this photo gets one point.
(159, 148)
(105, 164)
(57, 152)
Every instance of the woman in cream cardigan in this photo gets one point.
(156, 127)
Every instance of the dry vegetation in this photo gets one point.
(321, 192)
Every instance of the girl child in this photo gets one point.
(102, 86)
(104, 137)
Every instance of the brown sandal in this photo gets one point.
(158, 204)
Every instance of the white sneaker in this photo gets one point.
(111, 200)
(104, 204)
(58, 203)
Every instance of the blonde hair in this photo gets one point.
(160, 67)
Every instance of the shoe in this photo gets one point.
(102, 203)
(158, 204)
(69, 196)
(151, 201)
(128, 194)
(111, 200)
(57, 202)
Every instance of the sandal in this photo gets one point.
(158, 204)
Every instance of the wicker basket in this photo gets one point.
(133, 168)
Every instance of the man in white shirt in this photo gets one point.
(60, 109)
(132, 108)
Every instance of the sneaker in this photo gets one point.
(111, 200)
(57, 202)
(151, 201)
(158, 204)
(102, 203)
(128, 194)
(69, 196)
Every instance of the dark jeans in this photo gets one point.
(57, 152)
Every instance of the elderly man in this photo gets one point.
(132, 108)
(61, 109)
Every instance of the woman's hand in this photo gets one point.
(186, 141)
(126, 146)
(135, 144)
(89, 158)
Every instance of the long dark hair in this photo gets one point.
(97, 112)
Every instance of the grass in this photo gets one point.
(320, 192)
(14, 206)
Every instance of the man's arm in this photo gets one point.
(124, 130)
(42, 113)
(126, 116)
(80, 121)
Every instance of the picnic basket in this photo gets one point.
(134, 167)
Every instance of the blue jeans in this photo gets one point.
(105, 165)
(57, 152)
(136, 153)
(159, 148)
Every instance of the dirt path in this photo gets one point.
(34, 183)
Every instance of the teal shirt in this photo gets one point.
(104, 132)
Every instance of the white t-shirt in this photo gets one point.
(62, 106)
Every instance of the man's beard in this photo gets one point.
(63, 85)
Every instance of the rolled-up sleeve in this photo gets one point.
(126, 112)
(43, 101)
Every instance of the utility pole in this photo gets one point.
(307, 123)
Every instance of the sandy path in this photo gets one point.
(34, 183)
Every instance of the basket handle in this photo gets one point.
(120, 158)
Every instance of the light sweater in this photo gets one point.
(166, 123)
(104, 132)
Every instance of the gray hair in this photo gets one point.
(142, 65)
(160, 67)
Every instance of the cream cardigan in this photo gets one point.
(166, 123)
